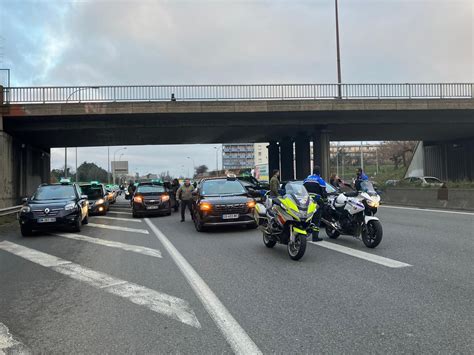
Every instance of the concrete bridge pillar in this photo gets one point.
(302, 157)
(22, 168)
(273, 157)
(286, 159)
(321, 152)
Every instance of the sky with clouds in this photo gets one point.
(106, 42)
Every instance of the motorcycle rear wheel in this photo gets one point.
(372, 236)
(331, 232)
(268, 241)
(297, 248)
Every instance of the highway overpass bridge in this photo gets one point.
(33, 120)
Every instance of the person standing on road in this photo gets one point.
(275, 183)
(185, 196)
(316, 186)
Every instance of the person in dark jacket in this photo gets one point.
(360, 176)
(185, 196)
(275, 183)
(316, 186)
(174, 189)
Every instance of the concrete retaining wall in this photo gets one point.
(457, 199)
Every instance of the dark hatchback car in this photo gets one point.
(223, 201)
(151, 198)
(52, 206)
(97, 196)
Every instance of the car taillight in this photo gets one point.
(205, 206)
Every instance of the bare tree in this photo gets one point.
(399, 152)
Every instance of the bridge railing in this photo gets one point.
(57, 94)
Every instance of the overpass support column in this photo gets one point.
(273, 157)
(302, 157)
(321, 152)
(286, 159)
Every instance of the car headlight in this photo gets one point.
(99, 201)
(25, 209)
(70, 206)
(165, 198)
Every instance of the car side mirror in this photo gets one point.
(84, 197)
(24, 200)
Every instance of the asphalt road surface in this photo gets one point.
(125, 285)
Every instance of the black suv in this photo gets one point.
(98, 197)
(54, 205)
(151, 198)
(223, 201)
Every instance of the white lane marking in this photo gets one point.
(117, 212)
(8, 344)
(120, 219)
(158, 302)
(362, 255)
(427, 210)
(234, 334)
(118, 228)
(108, 243)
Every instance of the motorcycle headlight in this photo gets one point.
(373, 203)
(70, 206)
(25, 209)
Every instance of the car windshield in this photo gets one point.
(92, 192)
(222, 187)
(366, 186)
(432, 180)
(144, 189)
(54, 192)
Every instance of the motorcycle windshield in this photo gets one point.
(367, 186)
(298, 193)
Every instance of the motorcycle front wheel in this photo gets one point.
(297, 248)
(268, 241)
(372, 236)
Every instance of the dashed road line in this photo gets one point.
(118, 228)
(173, 307)
(108, 243)
(427, 210)
(120, 219)
(362, 255)
(9, 345)
(234, 334)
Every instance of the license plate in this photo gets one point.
(230, 216)
(151, 207)
(46, 220)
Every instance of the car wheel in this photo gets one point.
(198, 225)
(77, 225)
(26, 231)
(135, 215)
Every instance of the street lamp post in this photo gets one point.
(65, 149)
(113, 170)
(194, 165)
(339, 91)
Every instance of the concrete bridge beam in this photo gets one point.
(302, 157)
(286, 159)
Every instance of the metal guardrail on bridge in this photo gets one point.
(58, 94)
(10, 210)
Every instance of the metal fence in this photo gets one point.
(10, 210)
(234, 92)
